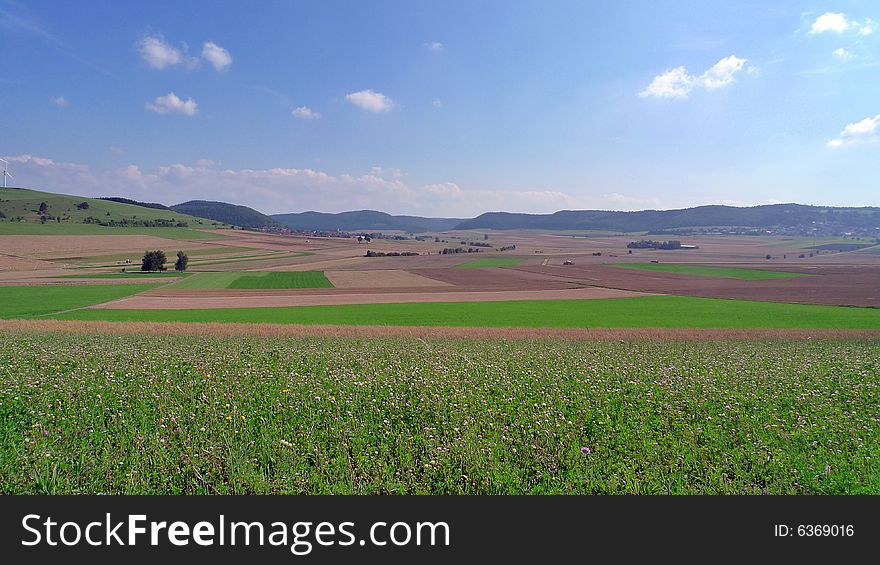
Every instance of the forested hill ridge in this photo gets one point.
(367, 220)
(789, 218)
(232, 214)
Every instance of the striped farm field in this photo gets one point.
(641, 312)
(722, 272)
(255, 280)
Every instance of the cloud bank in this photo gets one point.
(290, 189)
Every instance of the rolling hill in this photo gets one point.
(20, 212)
(798, 216)
(32, 212)
(228, 213)
(365, 220)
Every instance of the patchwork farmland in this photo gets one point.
(545, 362)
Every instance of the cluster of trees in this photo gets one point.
(454, 250)
(476, 243)
(390, 254)
(651, 244)
(121, 200)
(507, 248)
(155, 261)
(134, 222)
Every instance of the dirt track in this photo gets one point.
(268, 299)
(281, 330)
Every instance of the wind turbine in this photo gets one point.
(6, 172)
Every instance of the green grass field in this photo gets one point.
(107, 414)
(255, 280)
(641, 312)
(491, 262)
(722, 272)
(32, 301)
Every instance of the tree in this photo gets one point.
(153, 261)
(43, 207)
(182, 261)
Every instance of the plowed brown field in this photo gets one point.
(831, 285)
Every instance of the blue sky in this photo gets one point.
(445, 108)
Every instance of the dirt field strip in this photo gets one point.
(15, 263)
(44, 281)
(606, 334)
(195, 302)
(317, 264)
(391, 278)
(49, 246)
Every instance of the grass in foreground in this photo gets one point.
(256, 280)
(31, 301)
(721, 272)
(642, 312)
(173, 414)
(490, 262)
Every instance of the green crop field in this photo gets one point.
(722, 272)
(31, 301)
(641, 312)
(256, 280)
(174, 414)
(490, 262)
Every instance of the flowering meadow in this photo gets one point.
(175, 414)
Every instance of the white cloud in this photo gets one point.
(678, 83)
(433, 46)
(830, 21)
(159, 54)
(443, 189)
(674, 83)
(721, 73)
(171, 104)
(437, 103)
(867, 28)
(858, 132)
(115, 150)
(371, 101)
(843, 54)
(305, 113)
(60, 101)
(216, 55)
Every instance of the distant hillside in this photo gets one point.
(20, 206)
(227, 213)
(365, 220)
(796, 216)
